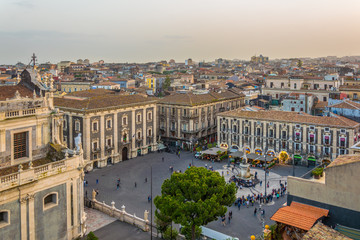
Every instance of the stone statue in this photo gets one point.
(93, 195)
(78, 142)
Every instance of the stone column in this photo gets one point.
(133, 133)
(102, 138)
(319, 144)
(154, 119)
(23, 218)
(116, 135)
(87, 137)
(70, 131)
(38, 134)
(304, 141)
(31, 218)
(46, 133)
(144, 129)
(68, 208)
(2, 140)
(75, 203)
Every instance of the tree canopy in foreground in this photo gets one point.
(196, 197)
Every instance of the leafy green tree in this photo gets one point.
(186, 231)
(91, 236)
(162, 221)
(198, 149)
(170, 233)
(167, 83)
(195, 198)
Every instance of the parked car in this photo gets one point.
(198, 155)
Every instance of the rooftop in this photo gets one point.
(190, 99)
(99, 99)
(344, 159)
(9, 92)
(347, 104)
(294, 117)
(321, 232)
(299, 215)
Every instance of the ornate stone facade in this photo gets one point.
(286, 134)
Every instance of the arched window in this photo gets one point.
(50, 200)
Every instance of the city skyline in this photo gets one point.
(144, 31)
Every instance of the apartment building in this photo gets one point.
(282, 85)
(113, 126)
(187, 118)
(306, 138)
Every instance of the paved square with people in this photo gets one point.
(135, 188)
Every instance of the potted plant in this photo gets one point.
(317, 173)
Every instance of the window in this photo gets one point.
(342, 142)
(234, 129)
(283, 135)
(50, 201)
(124, 137)
(324, 99)
(77, 126)
(271, 133)
(64, 124)
(184, 112)
(162, 110)
(293, 109)
(173, 111)
(95, 126)
(312, 138)
(258, 132)
(282, 85)
(301, 109)
(20, 145)
(95, 145)
(138, 118)
(108, 123)
(294, 85)
(124, 120)
(149, 133)
(246, 130)
(139, 135)
(149, 116)
(108, 142)
(4, 218)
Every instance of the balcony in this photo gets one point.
(222, 109)
(139, 139)
(96, 150)
(162, 128)
(191, 116)
(109, 147)
(189, 131)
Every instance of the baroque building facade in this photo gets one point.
(306, 138)
(41, 184)
(113, 126)
(187, 118)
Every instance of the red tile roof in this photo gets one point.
(9, 92)
(299, 215)
(294, 117)
(348, 104)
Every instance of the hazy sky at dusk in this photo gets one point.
(151, 30)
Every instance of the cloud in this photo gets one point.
(177, 37)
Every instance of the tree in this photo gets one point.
(170, 233)
(91, 236)
(195, 198)
(299, 63)
(167, 83)
(162, 221)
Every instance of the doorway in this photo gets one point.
(124, 154)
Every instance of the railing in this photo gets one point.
(96, 150)
(36, 173)
(20, 113)
(194, 115)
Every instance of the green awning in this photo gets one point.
(311, 159)
(297, 157)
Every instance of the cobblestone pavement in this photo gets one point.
(96, 220)
(243, 224)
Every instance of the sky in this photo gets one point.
(154, 30)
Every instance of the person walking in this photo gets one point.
(260, 183)
(239, 204)
(146, 180)
(162, 159)
(263, 212)
(255, 210)
(97, 181)
(223, 220)
(149, 198)
(230, 214)
(135, 184)
(117, 186)
(229, 218)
